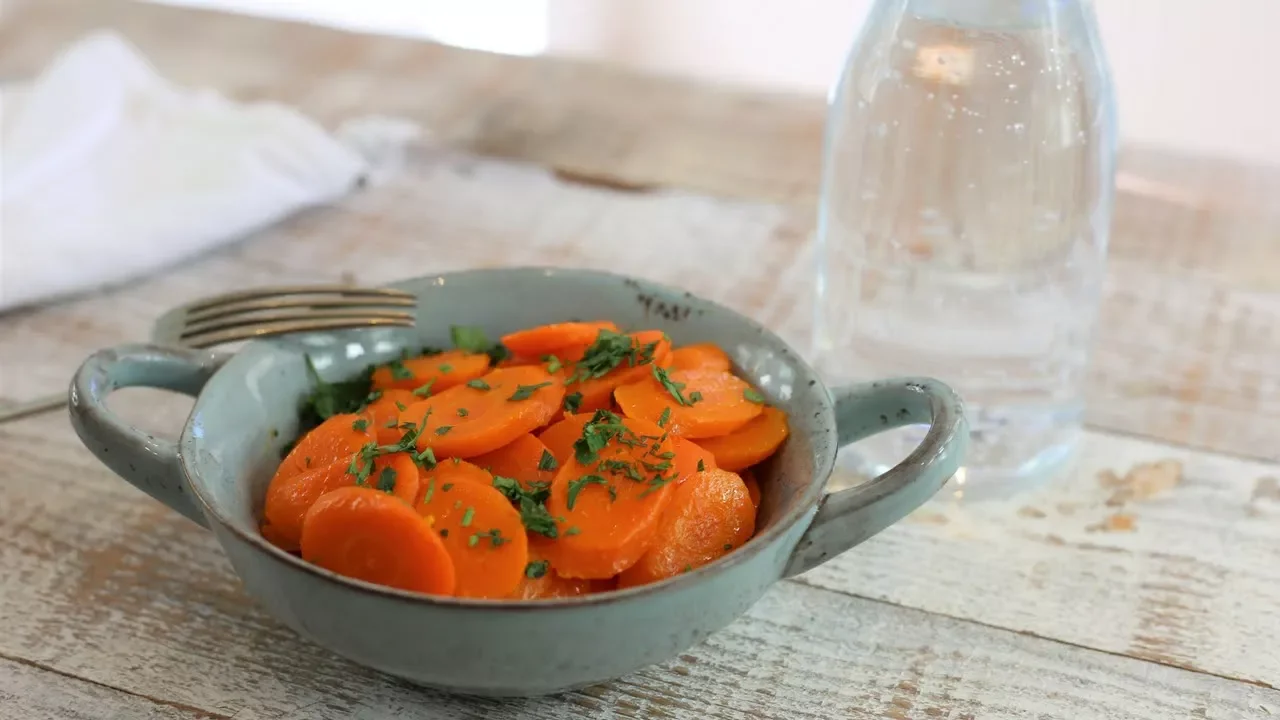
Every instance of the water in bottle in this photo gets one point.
(967, 189)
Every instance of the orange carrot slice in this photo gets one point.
(449, 472)
(690, 458)
(384, 414)
(482, 533)
(611, 498)
(289, 498)
(753, 487)
(273, 536)
(593, 385)
(708, 516)
(547, 339)
(703, 356)
(541, 582)
(369, 535)
(338, 438)
(440, 371)
(560, 436)
(697, 403)
(525, 459)
(751, 443)
(486, 413)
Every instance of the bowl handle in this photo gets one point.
(149, 463)
(848, 517)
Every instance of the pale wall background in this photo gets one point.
(1190, 74)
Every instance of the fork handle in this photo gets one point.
(33, 407)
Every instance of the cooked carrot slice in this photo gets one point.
(592, 381)
(751, 443)
(541, 582)
(708, 516)
(449, 472)
(547, 339)
(338, 438)
(525, 459)
(560, 436)
(273, 536)
(690, 458)
(703, 356)
(369, 535)
(611, 498)
(441, 371)
(753, 487)
(482, 533)
(384, 414)
(289, 498)
(486, 413)
(698, 403)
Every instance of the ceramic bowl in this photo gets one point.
(246, 411)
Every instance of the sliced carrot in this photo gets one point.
(546, 339)
(541, 582)
(708, 516)
(289, 498)
(338, 438)
(753, 487)
(596, 392)
(611, 505)
(483, 534)
(690, 458)
(486, 413)
(369, 535)
(751, 443)
(441, 371)
(525, 459)
(384, 414)
(449, 472)
(273, 536)
(698, 403)
(560, 436)
(703, 356)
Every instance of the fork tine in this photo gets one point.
(244, 320)
(269, 292)
(234, 334)
(210, 312)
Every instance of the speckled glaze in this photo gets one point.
(246, 409)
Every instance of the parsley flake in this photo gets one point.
(575, 487)
(443, 429)
(463, 412)
(360, 425)
(547, 461)
(664, 418)
(399, 371)
(524, 392)
(572, 402)
(536, 569)
(752, 395)
(387, 480)
(676, 389)
(553, 363)
(478, 384)
(467, 517)
(702, 466)
(445, 368)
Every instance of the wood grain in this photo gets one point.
(30, 693)
(104, 584)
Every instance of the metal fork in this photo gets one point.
(264, 312)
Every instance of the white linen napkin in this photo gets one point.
(108, 171)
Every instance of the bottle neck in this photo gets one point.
(992, 13)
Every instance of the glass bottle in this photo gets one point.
(967, 188)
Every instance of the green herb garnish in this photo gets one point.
(531, 502)
(399, 371)
(473, 339)
(387, 480)
(431, 491)
(444, 368)
(572, 531)
(467, 517)
(524, 392)
(423, 390)
(547, 461)
(443, 429)
(664, 418)
(494, 535)
(575, 487)
(536, 569)
(572, 402)
(463, 412)
(478, 384)
(360, 425)
(553, 363)
(702, 466)
(753, 396)
(676, 389)
(328, 399)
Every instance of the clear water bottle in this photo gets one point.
(967, 189)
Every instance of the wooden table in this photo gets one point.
(1146, 584)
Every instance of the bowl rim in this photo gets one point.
(806, 505)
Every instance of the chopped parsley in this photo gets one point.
(444, 532)
(664, 418)
(702, 466)
(478, 384)
(445, 368)
(399, 371)
(610, 350)
(695, 397)
(572, 402)
(574, 530)
(676, 389)
(446, 487)
(536, 569)
(494, 535)
(328, 399)
(423, 390)
(431, 491)
(547, 461)
(524, 392)
(443, 429)
(473, 339)
(553, 363)
(467, 517)
(752, 395)
(575, 487)
(360, 425)
(387, 480)
(463, 412)
(531, 503)
(401, 407)
(728, 547)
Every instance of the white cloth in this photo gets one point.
(108, 171)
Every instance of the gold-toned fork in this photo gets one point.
(260, 313)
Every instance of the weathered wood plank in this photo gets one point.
(103, 583)
(30, 693)
(1182, 356)
(1178, 563)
